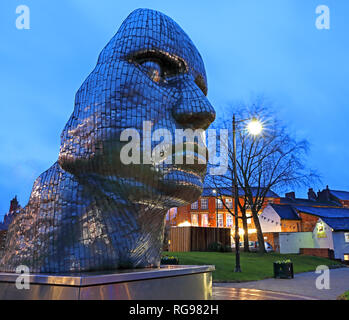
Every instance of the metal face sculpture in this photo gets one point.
(90, 211)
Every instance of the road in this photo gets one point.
(302, 287)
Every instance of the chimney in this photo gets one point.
(291, 195)
(324, 195)
(312, 195)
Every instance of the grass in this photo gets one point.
(254, 266)
(344, 296)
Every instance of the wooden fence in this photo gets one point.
(184, 239)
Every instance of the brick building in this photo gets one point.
(339, 197)
(278, 214)
(8, 217)
(208, 211)
(298, 215)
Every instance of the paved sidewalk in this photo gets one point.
(301, 287)
(227, 293)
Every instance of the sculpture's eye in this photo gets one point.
(158, 65)
(153, 70)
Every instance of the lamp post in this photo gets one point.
(214, 191)
(255, 128)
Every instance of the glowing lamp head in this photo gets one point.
(255, 127)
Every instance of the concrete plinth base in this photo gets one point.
(164, 283)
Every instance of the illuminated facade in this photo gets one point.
(208, 211)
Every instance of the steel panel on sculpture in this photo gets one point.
(90, 211)
(165, 283)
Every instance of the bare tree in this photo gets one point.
(272, 160)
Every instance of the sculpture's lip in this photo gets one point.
(198, 169)
(181, 177)
(190, 155)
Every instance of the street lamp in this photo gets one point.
(254, 127)
(214, 191)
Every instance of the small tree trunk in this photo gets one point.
(245, 226)
(260, 237)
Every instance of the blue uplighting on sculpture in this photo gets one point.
(89, 211)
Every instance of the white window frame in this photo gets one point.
(219, 204)
(194, 205)
(204, 216)
(220, 220)
(229, 203)
(205, 202)
(192, 220)
(230, 222)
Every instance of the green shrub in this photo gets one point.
(283, 261)
(227, 248)
(215, 247)
(169, 260)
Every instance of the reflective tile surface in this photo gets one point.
(90, 211)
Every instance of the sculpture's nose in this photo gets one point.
(193, 109)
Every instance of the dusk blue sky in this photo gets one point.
(249, 47)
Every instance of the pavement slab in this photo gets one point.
(302, 287)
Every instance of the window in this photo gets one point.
(229, 203)
(346, 257)
(346, 236)
(194, 220)
(219, 203)
(204, 204)
(194, 205)
(171, 215)
(204, 220)
(220, 223)
(229, 220)
(256, 202)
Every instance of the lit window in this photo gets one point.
(346, 236)
(346, 257)
(194, 205)
(204, 204)
(204, 220)
(229, 203)
(194, 219)
(220, 220)
(229, 220)
(219, 203)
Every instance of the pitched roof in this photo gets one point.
(208, 192)
(341, 195)
(285, 212)
(324, 212)
(307, 202)
(337, 224)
